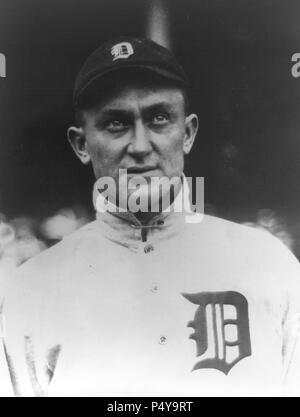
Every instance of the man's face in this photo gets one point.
(141, 129)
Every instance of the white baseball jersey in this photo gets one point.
(171, 309)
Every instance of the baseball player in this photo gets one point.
(146, 303)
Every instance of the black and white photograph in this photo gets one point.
(150, 200)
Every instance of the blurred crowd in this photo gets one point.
(268, 220)
(24, 237)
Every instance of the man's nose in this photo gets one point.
(140, 143)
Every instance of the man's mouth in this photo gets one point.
(140, 169)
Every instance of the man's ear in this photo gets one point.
(77, 140)
(191, 128)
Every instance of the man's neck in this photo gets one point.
(165, 203)
(146, 217)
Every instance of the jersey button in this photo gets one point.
(148, 248)
(162, 340)
(154, 287)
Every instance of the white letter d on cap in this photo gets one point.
(122, 50)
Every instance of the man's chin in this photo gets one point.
(136, 178)
(147, 193)
(145, 199)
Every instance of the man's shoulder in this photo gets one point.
(48, 276)
(243, 239)
(229, 230)
(233, 231)
(55, 258)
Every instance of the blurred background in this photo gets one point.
(238, 57)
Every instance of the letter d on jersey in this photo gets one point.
(211, 325)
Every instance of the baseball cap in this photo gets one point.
(127, 52)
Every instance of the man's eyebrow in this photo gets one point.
(113, 112)
(159, 105)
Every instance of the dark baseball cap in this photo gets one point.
(127, 52)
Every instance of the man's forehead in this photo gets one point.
(142, 96)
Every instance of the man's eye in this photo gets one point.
(160, 119)
(116, 125)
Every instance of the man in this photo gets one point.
(147, 302)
